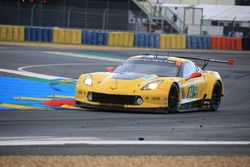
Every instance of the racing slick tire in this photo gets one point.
(216, 97)
(173, 99)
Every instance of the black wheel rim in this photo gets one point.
(216, 97)
(173, 99)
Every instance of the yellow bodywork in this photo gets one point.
(191, 90)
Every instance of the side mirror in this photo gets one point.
(110, 69)
(194, 75)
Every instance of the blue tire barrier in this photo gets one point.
(33, 34)
(188, 42)
(136, 40)
(208, 41)
(105, 38)
(84, 37)
(89, 37)
(203, 42)
(198, 42)
(146, 40)
(151, 40)
(157, 40)
(50, 34)
(193, 42)
(45, 35)
(27, 34)
(141, 40)
(38, 34)
(94, 38)
(100, 37)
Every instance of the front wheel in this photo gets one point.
(173, 99)
(216, 97)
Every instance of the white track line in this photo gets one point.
(21, 71)
(85, 56)
(121, 142)
(64, 64)
(31, 74)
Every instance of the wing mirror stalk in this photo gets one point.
(110, 69)
(194, 75)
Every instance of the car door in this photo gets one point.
(192, 86)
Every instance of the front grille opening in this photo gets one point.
(114, 99)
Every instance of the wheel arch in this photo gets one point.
(166, 86)
(176, 86)
(211, 87)
(179, 90)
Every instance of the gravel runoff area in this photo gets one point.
(128, 161)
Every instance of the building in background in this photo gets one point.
(212, 17)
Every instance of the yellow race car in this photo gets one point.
(152, 83)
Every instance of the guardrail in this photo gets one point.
(121, 39)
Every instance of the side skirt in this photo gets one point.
(198, 105)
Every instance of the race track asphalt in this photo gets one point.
(230, 123)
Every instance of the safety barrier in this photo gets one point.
(172, 41)
(198, 42)
(226, 43)
(246, 43)
(151, 40)
(125, 39)
(94, 38)
(67, 36)
(38, 34)
(11, 33)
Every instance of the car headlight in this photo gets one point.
(88, 80)
(152, 85)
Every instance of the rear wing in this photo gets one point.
(206, 61)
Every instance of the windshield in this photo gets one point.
(160, 67)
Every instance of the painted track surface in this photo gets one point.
(231, 123)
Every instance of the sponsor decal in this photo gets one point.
(192, 91)
(156, 98)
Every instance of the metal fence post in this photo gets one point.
(64, 13)
(32, 14)
(86, 14)
(69, 12)
(104, 19)
(201, 24)
(18, 12)
(41, 15)
(140, 21)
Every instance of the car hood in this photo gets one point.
(125, 83)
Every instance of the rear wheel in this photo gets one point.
(216, 97)
(173, 99)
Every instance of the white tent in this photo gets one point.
(220, 12)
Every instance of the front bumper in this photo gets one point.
(115, 107)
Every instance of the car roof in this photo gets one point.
(172, 58)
